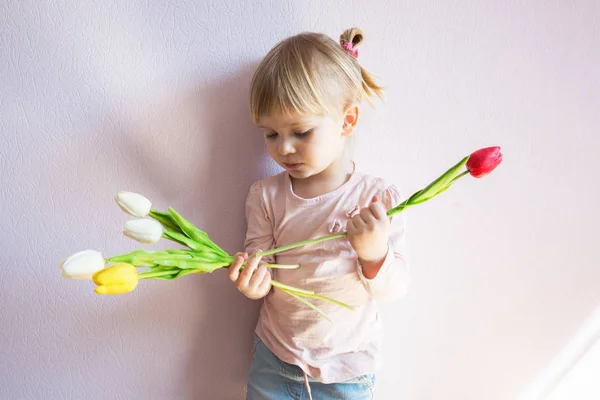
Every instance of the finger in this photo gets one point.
(358, 218)
(251, 266)
(350, 228)
(234, 269)
(265, 285)
(257, 277)
(367, 217)
(359, 225)
(378, 210)
(366, 214)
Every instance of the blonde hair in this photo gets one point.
(311, 73)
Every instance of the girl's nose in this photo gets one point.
(286, 147)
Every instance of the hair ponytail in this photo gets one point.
(355, 37)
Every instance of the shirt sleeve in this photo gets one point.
(259, 231)
(393, 279)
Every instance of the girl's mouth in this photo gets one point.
(291, 166)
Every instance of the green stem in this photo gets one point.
(458, 177)
(274, 266)
(324, 298)
(299, 291)
(153, 274)
(283, 266)
(309, 304)
(309, 293)
(302, 243)
(410, 202)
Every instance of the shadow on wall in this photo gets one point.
(218, 366)
(201, 157)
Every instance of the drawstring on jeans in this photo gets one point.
(307, 386)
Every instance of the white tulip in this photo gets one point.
(82, 265)
(143, 230)
(133, 203)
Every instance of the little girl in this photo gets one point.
(305, 96)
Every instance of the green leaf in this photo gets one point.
(211, 258)
(137, 258)
(184, 272)
(170, 258)
(165, 220)
(418, 197)
(204, 254)
(399, 208)
(440, 183)
(192, 264)
(164, 273)
(187, 227)
(179, 273)
(423, 200)
(194, 233)
(184, 240)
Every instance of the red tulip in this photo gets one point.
(484, 161)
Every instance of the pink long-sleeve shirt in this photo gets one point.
(349, 346)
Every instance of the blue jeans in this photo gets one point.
(272, 379)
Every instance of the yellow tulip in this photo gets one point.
(116, 279)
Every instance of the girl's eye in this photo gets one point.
(303, 134)
(271, 135)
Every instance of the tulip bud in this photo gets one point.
(133, 204)
(116, 279)
(82, 265)
(143, 230)
(484, 161)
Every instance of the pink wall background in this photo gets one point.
(97, 97)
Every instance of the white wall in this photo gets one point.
(102, 96)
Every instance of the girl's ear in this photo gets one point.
(351, 115)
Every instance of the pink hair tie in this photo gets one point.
(348, 46)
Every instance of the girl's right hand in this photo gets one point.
(253, 281)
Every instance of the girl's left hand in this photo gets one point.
(368, 232)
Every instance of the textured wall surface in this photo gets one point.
(150, 96)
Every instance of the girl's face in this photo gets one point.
(305, 145)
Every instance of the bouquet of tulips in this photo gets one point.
(119, 274)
